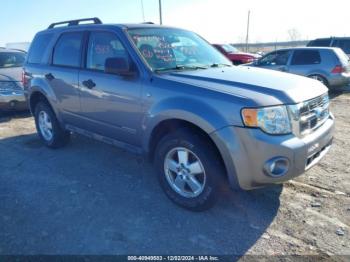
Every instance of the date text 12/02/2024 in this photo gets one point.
(173, 258)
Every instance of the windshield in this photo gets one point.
(175, 49)
(11, 59)
(229, 49)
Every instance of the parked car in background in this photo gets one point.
(341, 42)
(11, 90)
(327, 65)
(234, 55)
(167, 93)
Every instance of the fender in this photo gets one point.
(191, 110)
(39, 85)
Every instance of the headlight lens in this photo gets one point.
(272, 120)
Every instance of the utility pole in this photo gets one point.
(160, 12)
(143, 11)
(247, 37)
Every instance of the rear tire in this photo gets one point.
(48, 128)
(189, 171)
(319, 78)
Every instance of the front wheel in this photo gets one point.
(189, 170)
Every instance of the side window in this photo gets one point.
(67, 50)
(276, 58)
(266, 60)
(38, 48)
(282, 57)
(306, 57)
(103, 45)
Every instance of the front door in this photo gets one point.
(111, 104)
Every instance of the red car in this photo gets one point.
(237, 57)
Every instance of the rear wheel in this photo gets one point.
(48, 127)
(189, 170)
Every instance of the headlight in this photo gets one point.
(272, 120)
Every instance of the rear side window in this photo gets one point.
(306, 57)
(67, 51)
(38, 48)
(320, 42)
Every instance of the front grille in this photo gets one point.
(313, 113)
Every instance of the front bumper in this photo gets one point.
(245, 152)
(13, 101)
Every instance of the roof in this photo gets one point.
(332, 37)
(308, 48)
(120, 26)
(4, 49)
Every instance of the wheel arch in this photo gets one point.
(320, 74)
(36, 95)
(170, 125)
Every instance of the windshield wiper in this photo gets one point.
(219, 65)
(180, 67)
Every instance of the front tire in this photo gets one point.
(189, 170)
(48, 126)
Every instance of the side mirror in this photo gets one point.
(118, 66)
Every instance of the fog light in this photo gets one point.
(276, 167)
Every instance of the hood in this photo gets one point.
(262, 86)
(249, 54)
(11, 74)
(255, 56)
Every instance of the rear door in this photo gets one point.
(62, 74)
(111, 104)
(305, 62)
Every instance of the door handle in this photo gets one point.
(89, 84)
(49, 76)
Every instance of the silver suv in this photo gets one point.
(11, 91)
(167, 93)
(328, 65)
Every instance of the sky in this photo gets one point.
(219, 21)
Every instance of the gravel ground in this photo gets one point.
(91, 198)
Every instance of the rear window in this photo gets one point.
(38, 48)
(11, 59)
(306, 57)
(67, 50)
(320, 42)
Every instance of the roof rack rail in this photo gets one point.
(95, 20)
(148, 23)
